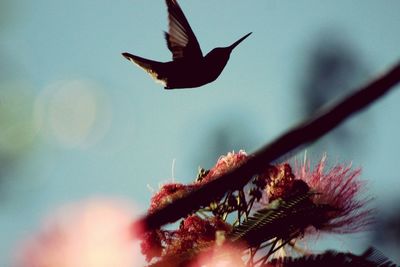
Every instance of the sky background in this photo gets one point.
(78, 121)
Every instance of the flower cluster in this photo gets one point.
(193, 233)
(291, 200)
(338, 189)
(169, 192)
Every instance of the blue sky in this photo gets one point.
(93, 124)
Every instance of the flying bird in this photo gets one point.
(188, 68)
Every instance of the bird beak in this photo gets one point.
(232, 46)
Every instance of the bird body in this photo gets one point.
(184, 73)
(189, 68)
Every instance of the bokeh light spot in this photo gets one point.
(74, 114)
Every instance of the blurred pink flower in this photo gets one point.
(221, 256)
(90, 234)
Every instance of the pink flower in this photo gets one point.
(340, 188)
(151, 245)
(225, 164)
(339, 206)
(167, 194)
(279, 179)
(203, 229)
(193, 232)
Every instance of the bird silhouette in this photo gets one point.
(188, 68)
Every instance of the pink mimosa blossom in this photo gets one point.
(340, 188)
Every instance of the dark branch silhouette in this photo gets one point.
(306, 132)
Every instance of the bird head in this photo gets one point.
(232, 46)
(223, 53)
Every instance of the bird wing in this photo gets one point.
(180, 38)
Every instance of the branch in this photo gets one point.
(308, 131)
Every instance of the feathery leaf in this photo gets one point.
(281, 219)
(370, 258)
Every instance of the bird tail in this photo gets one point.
(154, 68)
